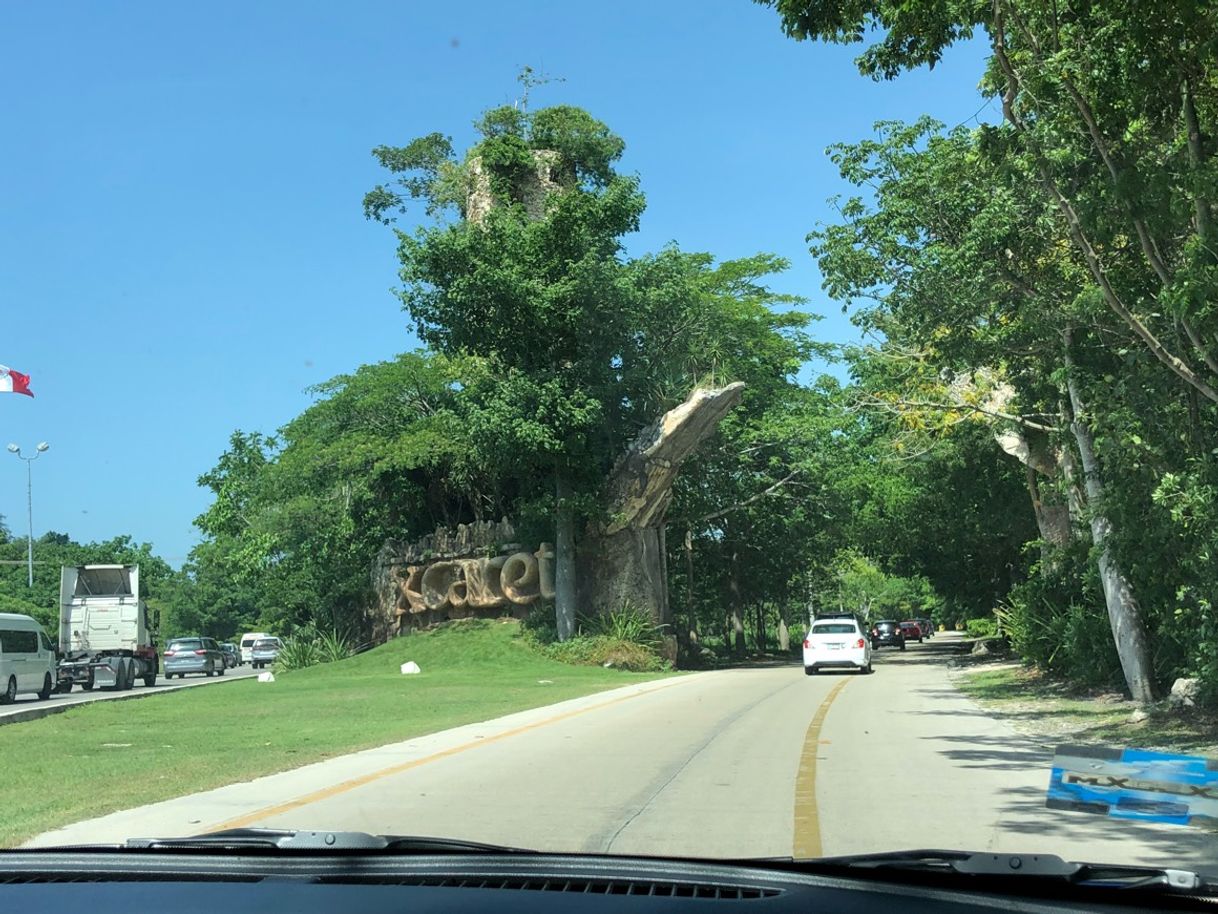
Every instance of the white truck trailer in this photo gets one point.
(105, 638)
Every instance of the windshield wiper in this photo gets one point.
(1046, 867)
(271, 839)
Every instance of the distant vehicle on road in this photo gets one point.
(232, 655)
(912, 630)
(105, 635)
(836, 644)
(888, 632)
(247, 644)
(194, 655)
(928, 628)
(265, 651)
(27, 662)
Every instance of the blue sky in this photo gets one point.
(182, 247)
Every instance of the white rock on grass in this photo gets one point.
(1184, 693)
(410, 667)
(266, 677)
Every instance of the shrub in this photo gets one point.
(308, 647)
(626, 624)
(297, 653)
(981, 628)
(332, 646)
(599, 650)
(1059, 623)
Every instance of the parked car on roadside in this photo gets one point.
(232, 656)
(912, 630)
(928, 628)
(887, 632)
(264, 652)
(193, 655)
(836, 644)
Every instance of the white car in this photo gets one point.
(247, 644)
(837, 643)
(27, 661)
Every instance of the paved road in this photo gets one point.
(27, 706)
(748, 762)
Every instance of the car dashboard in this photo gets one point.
(186, 881)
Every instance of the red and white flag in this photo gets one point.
(14, 382)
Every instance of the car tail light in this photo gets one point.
(201, 653)
(861, 643)
(170, 653)
(806, 644)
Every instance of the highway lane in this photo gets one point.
(743, 762)
(29, 706)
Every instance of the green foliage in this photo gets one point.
(332, 646)
(981, 628)
(627, 623)
(298, 653)
(605, 651)
(1057, 621)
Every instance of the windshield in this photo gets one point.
(834, 629)
(720, 429)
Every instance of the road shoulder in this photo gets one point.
(931, 767)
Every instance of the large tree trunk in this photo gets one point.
(1039, 457)
(623, 560)
(564, 561)
(1124, 613)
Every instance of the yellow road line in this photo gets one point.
(334, 790)
(807, 819)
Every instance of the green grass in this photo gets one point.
(1039, 705)
(107, 756)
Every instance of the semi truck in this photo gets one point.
(105, 636)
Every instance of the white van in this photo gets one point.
(247, 645)
(27, 661)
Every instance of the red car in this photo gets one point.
(912, 631)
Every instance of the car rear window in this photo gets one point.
(834, 628)
(186, 644)
(266, 642)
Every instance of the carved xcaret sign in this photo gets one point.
(520, 578)
(470, 570)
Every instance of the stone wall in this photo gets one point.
(475, 570)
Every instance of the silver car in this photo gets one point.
(193, 655)
(264, 652)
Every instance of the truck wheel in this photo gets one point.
(45, 693)
(150, 679)
(10, 692)
(130, 683)
(64, 686)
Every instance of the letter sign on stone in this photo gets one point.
(519, 578)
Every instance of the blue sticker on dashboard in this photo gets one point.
(1134, 784)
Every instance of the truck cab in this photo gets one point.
(105, 635)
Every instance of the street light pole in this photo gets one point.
(29, 502)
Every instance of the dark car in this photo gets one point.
(887, 633)
(231, 654)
